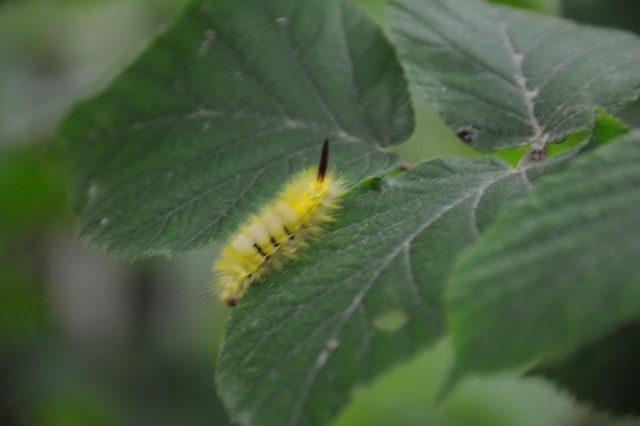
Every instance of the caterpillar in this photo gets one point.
(278, 231)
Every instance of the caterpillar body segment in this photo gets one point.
(278, 231)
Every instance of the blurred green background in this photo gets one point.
(88, 340)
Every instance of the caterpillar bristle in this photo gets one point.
(279, 231)
(324, 161)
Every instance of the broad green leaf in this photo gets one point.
(605, 129)
(604, 373)
(222, 107)
(507, 78)
(555, 272)
(367, 296)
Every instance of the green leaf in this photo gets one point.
(507, 78)
(604, 373)
(555, 272)
(364, 298)
(222, 107)
(605, 129)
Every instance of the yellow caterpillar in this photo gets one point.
(278, 231)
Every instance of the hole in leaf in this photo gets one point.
(466, 135)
